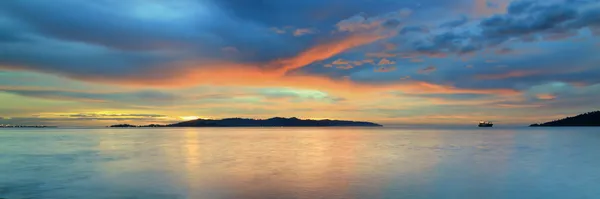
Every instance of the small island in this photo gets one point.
(134, 126)
(586, 119)
(272, 122)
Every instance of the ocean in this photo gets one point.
(262, 163)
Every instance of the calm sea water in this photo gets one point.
(300, 163)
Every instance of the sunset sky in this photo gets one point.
(94, 63)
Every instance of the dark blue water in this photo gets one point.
(300, 163)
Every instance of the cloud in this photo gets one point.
(455, 23)
(424, 88)
(491, 4)
(100, 115)
(170, 26)
(140, 97)
(385, 61)
(488, 7)
(414, 29)
(141, 50)
(427, 70)
(504, 51)
(345, 67)
(303, 31)
(507, 75)
(362, 23)
(297, 95)
(416, 60)
(230, 49)
(297, 32)
(326, 50)
(340, 62)
(390, 46)
(546, 96)
(381, 55)
(385, 69)
(405, 12)
(524, 20)
(127, 67)
(278, 30)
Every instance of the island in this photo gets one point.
(135, 126)
(272, 122)
(586, 119)
(25, 126)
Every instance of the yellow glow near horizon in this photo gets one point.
(189, 117)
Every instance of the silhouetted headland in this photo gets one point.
(586, 119)
(272, 122)
(24, 126)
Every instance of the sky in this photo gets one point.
(96, 63)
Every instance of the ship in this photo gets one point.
(485, 124)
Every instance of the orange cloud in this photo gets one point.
(546, 96)
(236, 75)
(197, 72)
(324, 51)
(340, 62)
(275, 73)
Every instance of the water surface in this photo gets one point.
(299, 163)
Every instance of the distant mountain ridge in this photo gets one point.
(272, 122)
(586, 119)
